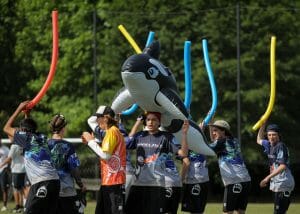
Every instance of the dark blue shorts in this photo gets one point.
(18, 180)
(282, 202)
(5, 179)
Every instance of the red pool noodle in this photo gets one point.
(51, 74)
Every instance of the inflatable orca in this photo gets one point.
(153, 87)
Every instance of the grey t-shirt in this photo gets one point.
(17, 159)
(4, 150)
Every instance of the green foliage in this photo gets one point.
(26, 48)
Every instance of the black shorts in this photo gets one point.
(18, 180)
(236, 196)
(26, 180)
(43, 197)
(68, 205)
(194, 197)
(4, 179)
(172, 199)
(145, 199)
(282, 202)
(110, 199)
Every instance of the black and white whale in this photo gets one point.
(153, 87)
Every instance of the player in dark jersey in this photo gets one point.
(44, 192)
(153, 148)
(67, 165)
(281, 179)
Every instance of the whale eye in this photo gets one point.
(153, 72)
(160, 67)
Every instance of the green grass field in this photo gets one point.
(211, 208)
(215, 208)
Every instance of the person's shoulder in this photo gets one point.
(222, 140)
(14, 147)
(52, 141)
(281, 145)
(20, 132)
(40, 136)
(265, 143)
(64, 141)
(165, 133)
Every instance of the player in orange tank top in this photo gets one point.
(112, 153)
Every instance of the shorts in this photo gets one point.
(68, 205)
(172, 199)
(43, 197)
(5, 179)
(110, 199)
(282, 202)
(26, 180)
(236, 196)
(194, 197)
(129, 181)
(145, 200)
(18, 181)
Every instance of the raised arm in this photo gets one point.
(8, 127)
(185, 166)
(211, 136)
(183, 152)
(261, 134)
(135, 127)
(92, 121)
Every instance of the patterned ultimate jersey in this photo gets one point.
(37, 157)
(197, 172)
(17, 159)
(172, 177)
(152, 157)
(65, 160)
(232, 167)
(277, 155)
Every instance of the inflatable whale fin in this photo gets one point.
(170, 101)
(122, 101)
(153, 50)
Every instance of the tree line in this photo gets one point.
(92, 50)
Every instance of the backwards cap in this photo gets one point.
(273, 127)
(104, 110)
